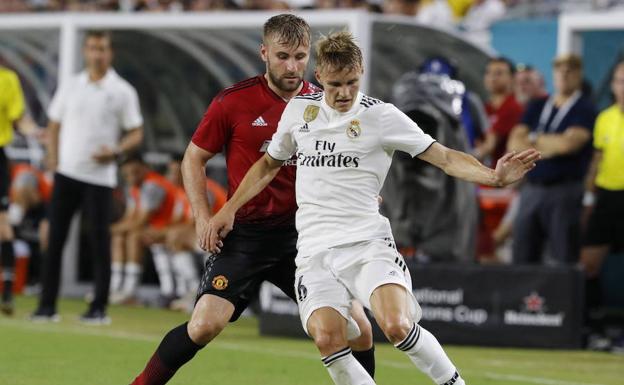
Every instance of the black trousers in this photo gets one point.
(95, 203)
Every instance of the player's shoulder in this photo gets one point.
(236, 89)
(314, 97)
(8, 74)
(369, 101)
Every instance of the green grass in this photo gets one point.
(70, 353)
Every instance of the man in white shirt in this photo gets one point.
(94, 117)
(344, 141)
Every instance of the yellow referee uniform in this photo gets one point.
(609, 138)
(11, 104)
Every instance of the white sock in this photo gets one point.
(344, 369)
(131, 280)
(162, 262)
(427, 354)
(116, 276)
(185, 273)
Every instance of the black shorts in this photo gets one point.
(606, 226)
(250, 255)
(5, 180)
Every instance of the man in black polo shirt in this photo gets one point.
(560, 127)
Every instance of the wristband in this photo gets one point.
(589, 199)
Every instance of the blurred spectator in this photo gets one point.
(560, 127)
(605, 189)
(31, 190)
(503, 110)
(88, 115)
(480, 17)
(529, 84)
(212, 5)
(435, 12)
(11, 110)
(150, 208)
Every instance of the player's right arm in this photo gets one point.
(257, 178)
(194, 178)
(53, 139)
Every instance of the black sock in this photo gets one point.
(7, 260)
(366, 358)
(177, 348)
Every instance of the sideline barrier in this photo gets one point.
(519, 306)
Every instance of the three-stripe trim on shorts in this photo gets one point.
(327, 361)
(410, 341)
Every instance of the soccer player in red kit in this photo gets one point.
(262, 246)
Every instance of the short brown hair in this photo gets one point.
(338, 50)
(572, 60)
(99, 34)
(289, 29)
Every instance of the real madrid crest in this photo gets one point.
(310, 113)
(354, 130)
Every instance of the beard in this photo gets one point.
(282, 83)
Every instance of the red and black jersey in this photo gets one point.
(242, 118)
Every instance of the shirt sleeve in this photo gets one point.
(214, 130)
(131, 110)
(56, 109)
(283, 144)
(584, 116)
(399, 132)
(599, 139)
(16, 99)
(152, 196)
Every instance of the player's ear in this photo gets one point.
(317, 75)
(264, 52)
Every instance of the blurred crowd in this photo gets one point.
(472, 17)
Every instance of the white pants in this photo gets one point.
(334, 277)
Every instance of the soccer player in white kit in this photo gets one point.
(344, 141)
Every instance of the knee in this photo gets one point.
(396, 329)
(202, 331)
(328, 341)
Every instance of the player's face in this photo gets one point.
(98, 53)
(285, 64)
(498, 79)
(133, 173)
(617, 84)
(341, 86)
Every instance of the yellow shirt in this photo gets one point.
(609, 138)
(11, 104)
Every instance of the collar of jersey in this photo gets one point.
(110, 73)
(333, 114)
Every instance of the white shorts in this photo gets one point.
(335, 277)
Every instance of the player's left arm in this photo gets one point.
(509, 168)
(257, 178)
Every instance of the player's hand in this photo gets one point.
(218, 228)
(513, 166)
(104, 155)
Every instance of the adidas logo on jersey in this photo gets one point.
(259, 122)
(304, 128)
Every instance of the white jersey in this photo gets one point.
(342, 162)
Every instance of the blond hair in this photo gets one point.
(338, 51)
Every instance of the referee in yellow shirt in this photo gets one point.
(605, 190)
(11, 110)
